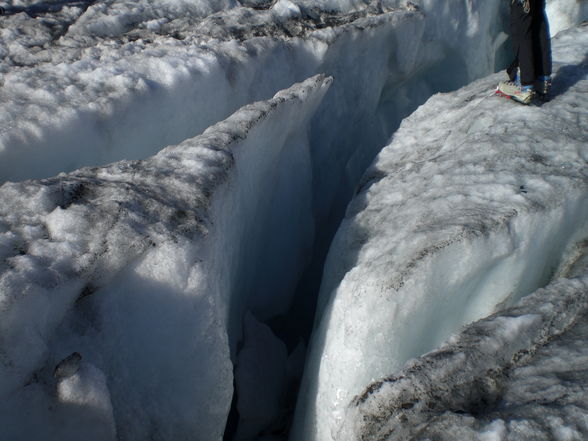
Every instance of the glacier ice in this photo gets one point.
(473, 205)
(87, 389)
(139, 267)
(564, 14)
(76, 95)
(73, 97)
(518, 374)
(148, 267)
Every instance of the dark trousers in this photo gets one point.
(531, 43)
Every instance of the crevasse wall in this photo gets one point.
(484, 376)
(95, 99)
(564, 14)
(475, 203)
(136, 267)
(132, 276)
(116, 258)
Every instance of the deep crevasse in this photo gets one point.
(476, 203)
(90, 98)
(146, 268)
(136, 266)
(117, 257)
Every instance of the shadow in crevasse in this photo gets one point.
(35, 413)
(163, 352)
(40, 8)
(567, 76)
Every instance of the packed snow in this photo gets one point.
(140, 300)
(476, 203)
(564, 14)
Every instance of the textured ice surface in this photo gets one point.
(157, 73)
(89, 101)
(518, 375)
(133, 241)
(474, 204)
(564, 14)
(146, 267)
(88, 83)
(139, 267)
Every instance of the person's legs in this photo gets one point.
(513, 69)
(542, 49)
(521, 24)
(520, 88)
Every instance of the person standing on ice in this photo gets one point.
(530, 72)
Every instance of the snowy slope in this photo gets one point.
(475, 203)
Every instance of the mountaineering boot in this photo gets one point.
(543, 85)
(522, 94)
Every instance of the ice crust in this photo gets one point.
(140, 266)
(475, 203)
(72, 97)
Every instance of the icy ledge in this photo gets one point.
(144, 268)
(476, 203)
(516, 375)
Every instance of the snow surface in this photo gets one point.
(91, 83)
(564, 14)
(475, 203)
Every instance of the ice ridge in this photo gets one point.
(484, 376)
(476, 203)
(137, 266)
